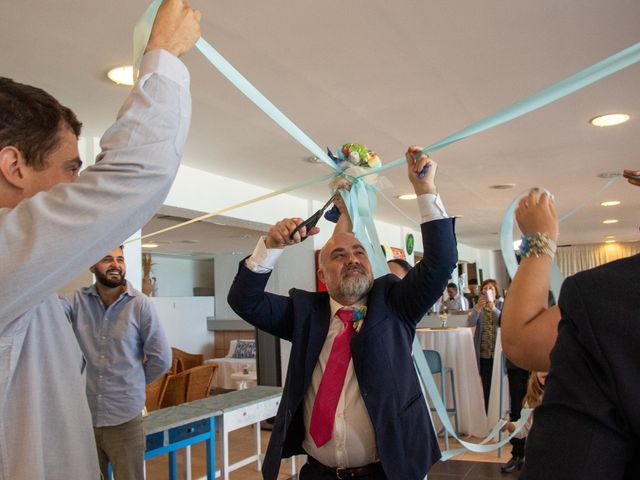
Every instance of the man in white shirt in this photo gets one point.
(54, 224)
(352, 400)
(452, 300)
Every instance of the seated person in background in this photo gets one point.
(588, 424)
(485, 316)
(117, 327)
(532, 399)
(399, 267)
(452, 300)
(352, 400)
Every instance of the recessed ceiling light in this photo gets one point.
(610, 220)
(407, 196)
(610, 203)
(609, 120)
(313, 159)
(610, 240)
(121, 75)
(149, 245)
(503, 186)
(610, 236)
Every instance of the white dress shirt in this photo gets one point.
(353, 443)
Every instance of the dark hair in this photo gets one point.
(30, 120)
(452, 285)
(472, 281)
(406, 266)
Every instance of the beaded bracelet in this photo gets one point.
(537, 244)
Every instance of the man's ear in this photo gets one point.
(12, 166)
(92, 269)
(321, 275)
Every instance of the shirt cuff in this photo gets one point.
(166, 64)
(431, 207)
(263, 259)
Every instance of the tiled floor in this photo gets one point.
(468, 466)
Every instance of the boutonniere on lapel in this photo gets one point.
(358, 318)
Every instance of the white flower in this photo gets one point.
(354, 157)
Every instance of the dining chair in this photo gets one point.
(199, 381)
(434, 360)
(186, 360)
(154, 393)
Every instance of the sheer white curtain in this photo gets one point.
(576, 258)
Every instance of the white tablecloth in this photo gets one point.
(227, 366)
(457, 351)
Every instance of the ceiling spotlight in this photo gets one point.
(407, 196)
(610, 240)
(610, 203)
(149, 245)
(121, 75)
(609, 120)
(503, 186)
(610, 220)
(313, 159)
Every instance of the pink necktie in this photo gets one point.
(324, 407)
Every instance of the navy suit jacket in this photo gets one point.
(381, 354)
(588, 426)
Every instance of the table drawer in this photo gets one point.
(155, 440)
(251, 414)
(189, 430)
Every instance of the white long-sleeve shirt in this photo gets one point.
(47, 240)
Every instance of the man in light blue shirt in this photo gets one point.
(125, 348)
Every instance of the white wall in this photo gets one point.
(177, 276)
(185, 322)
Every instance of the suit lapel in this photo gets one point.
(318, 329)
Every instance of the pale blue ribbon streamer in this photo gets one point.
(571, 84)
(427, 378)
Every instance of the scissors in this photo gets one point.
(313, 219)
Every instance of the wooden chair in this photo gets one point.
(200, 380)
(155, 392)
(185, 360)
(175, 391)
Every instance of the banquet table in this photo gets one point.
(455, 346)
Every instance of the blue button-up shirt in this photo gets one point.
(115, 341)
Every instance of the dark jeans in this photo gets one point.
(518, 379)
(486, 370)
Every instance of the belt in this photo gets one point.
(342, 473)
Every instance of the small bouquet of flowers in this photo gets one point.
(354, 160)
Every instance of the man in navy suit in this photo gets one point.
(377, 426)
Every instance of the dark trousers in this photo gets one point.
(312, 471)
(518, 379)
(486, 370)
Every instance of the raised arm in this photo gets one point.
(529, 327)
(247, 297)
(420, 288)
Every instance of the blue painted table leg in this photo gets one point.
(173, 465)
(211, 450)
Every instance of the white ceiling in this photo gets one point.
(386, 74)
